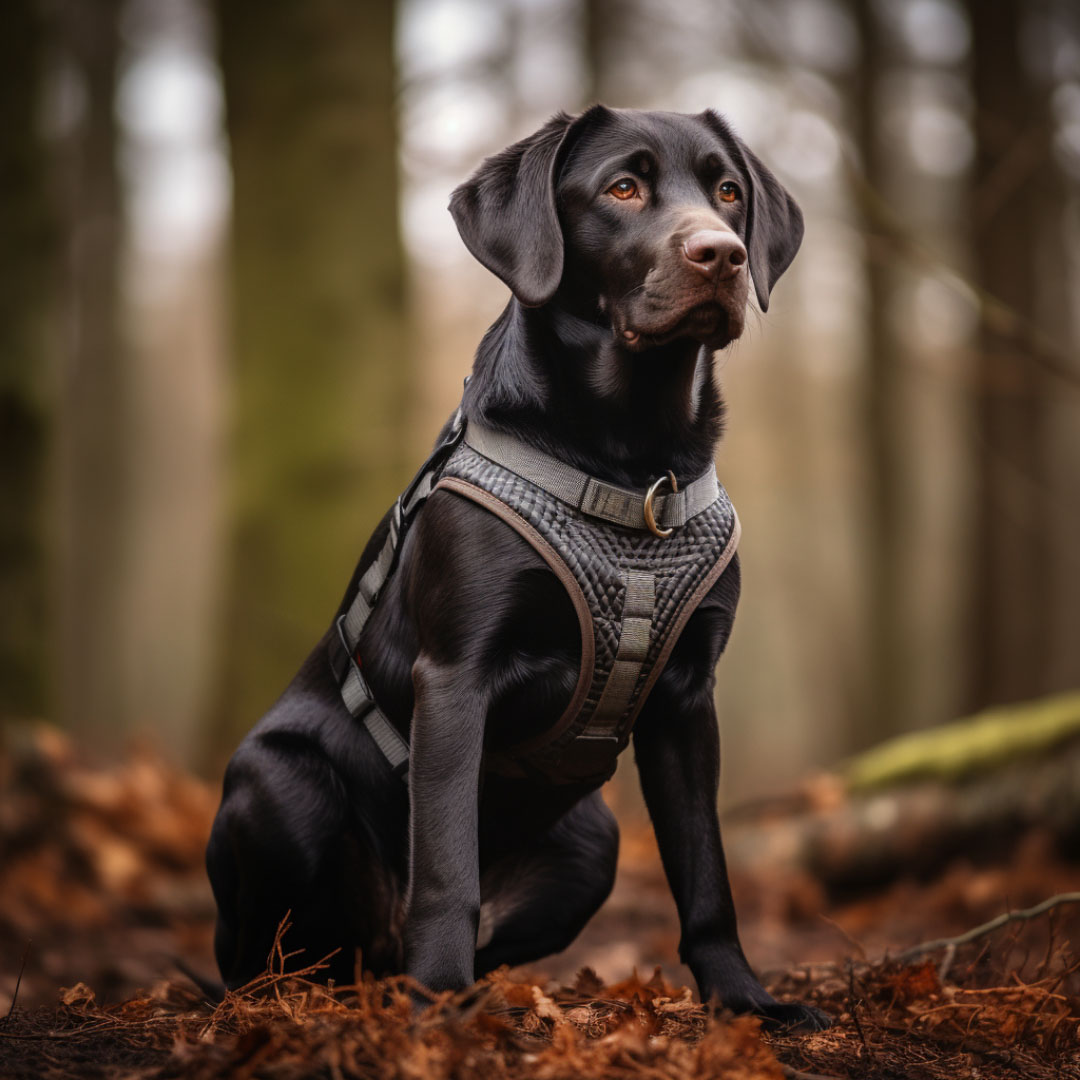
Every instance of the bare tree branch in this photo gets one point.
(987, 928)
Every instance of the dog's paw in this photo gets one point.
(793, 1016)
(788, 1016)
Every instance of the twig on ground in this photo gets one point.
(987, 927)
(855, 1007)
(18, 983)
(946, 963)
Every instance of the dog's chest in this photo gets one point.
(633, 593)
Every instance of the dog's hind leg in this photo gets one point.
(285, 843)
(535, 901)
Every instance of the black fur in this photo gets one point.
(603, 359)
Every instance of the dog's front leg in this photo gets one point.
(677, 747)
(678, 759)
(443, 905)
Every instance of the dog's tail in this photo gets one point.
(213, 989)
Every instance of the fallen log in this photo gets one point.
(970, 789)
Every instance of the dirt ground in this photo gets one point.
(103, 891)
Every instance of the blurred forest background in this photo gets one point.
(234, 312)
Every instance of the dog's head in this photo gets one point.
(656, 219)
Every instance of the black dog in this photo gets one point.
(628, 240)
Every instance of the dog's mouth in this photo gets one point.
(709, 323)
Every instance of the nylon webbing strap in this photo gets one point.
(355, 693)
(359, 701)
(634, 633)
(355, 619)
(595, 497)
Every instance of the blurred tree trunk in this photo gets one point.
(1059, 279)
(319, 344)
(601, 21)
(612, 31)
(1012, 595)
(883, 431)
(27, 244)
(93, 454)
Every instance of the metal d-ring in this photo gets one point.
(650, 517)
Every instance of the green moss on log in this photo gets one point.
(979, 744)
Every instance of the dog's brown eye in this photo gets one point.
(729, 191)
(624, 188)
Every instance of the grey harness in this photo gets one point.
(634, 564)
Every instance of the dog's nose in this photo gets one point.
(715, 253)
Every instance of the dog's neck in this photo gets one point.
(560, 382)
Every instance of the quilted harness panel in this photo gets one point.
(639, 589)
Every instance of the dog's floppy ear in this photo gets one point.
(506, 213)
(774, 222)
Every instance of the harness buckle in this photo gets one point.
(650, 516)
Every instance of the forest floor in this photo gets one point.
(102, 893)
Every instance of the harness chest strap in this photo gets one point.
(635, 632)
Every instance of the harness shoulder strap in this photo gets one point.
(345, 636)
